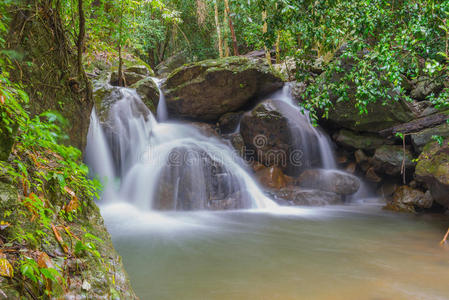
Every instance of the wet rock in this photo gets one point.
(208, 89)
(148, 92)
(424, 86)
(106, 95)
(406, 198)
(423, 137)
(334, 181)
(304, 197)
(433, 170)
(275, 141)
(351, 167)
(139, 69)
(272, 177)
(352, 140)
(388, 159)
(236, 141)
(194, 180)
(229, 122)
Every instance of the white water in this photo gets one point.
(300, 119)
(162, 112)
(167, 165)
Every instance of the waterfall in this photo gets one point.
(299, 119)
(162, 112)
(167, 165)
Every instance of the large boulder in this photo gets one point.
(388, 159)
(433, 169)
(423, 137)
(334, 181)
(192, 180)
(277, 136)
(208, 89)
(304, 197)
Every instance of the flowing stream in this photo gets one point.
(161, 179)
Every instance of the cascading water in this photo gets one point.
(162, 112)
(311, 137)
(167, 165)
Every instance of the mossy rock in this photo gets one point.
(148, 92)
(208, 89)
(433, 169)
(353, 140)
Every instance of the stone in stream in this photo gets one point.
(148, 91)
(208, 89)
(433, 170)
(334, 181)
(229, 122)
(196, 181)
(406, 198)
(304, 197)
(272, 177)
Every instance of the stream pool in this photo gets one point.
(339, 252)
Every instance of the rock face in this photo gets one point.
(337, 182)
(423, 137)
(388, 159)
(406, 198)
(97, 274)
(170, 64)
(208, 89)
(304, 197)
(148, 92)
(381, 115)
(433, 169)
(424, 86)
(350, 139)
(275, 141)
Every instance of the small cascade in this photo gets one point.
(162, 112)
(312, 139)
(167, 166)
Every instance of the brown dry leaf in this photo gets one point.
(59, 239)
(2, 99)
(74, 203)
(44, 261)
(6, 269)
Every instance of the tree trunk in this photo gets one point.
(217, 24)
(265, 30)
(81, 34)
(231, 27)
(227, 53)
